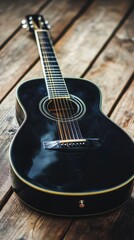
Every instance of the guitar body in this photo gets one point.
(69, 178)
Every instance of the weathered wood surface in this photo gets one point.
(11, 14)
(114, 66)
(80, 29)
(23, 51)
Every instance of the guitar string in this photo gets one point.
(56, 103)
(76, 128)
(75, 124)
(49, 73)
(66, 137)
(67, 104)
(60, 105)
(67, 107)
(59, 128)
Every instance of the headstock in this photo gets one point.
(33, 22)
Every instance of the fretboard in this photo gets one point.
(55, 83)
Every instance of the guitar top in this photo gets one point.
(67, 157)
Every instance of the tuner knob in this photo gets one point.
(48, 26)
(46, 22)
(24, 21)
(25, 25)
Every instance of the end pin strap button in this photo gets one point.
(82, 204)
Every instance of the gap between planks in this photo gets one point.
(130, 80)
(19, 27)
(80, 13)
(123, 20)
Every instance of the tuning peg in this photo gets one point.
(48, 26)
(24, 24)
(24, 21)
(46, 22)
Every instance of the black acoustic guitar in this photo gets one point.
(67, 157)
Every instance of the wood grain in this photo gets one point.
(88, 34)
(12, 12)
(124, 112)
(21, 52)
(114, 66)
(20, 222)
(116, 225)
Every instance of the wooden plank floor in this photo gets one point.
(93, 40)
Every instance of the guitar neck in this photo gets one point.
(55, 83)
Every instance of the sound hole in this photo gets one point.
(62, 109)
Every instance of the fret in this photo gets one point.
(49, 66)
(61, 90)
(53, 78)
(53, 64)
(42, 37)
(55, 67)
(45, 48)
(55, 75)
(50, 81)
(56, 86)
(51, 61)
(60, 97)
(45, 43)
(50, 70)
(54, 95)
(57, 93)
(44, 57)
(57, 90)
(49, 53)
(53, 91)
(56, 83)
(52, 73)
